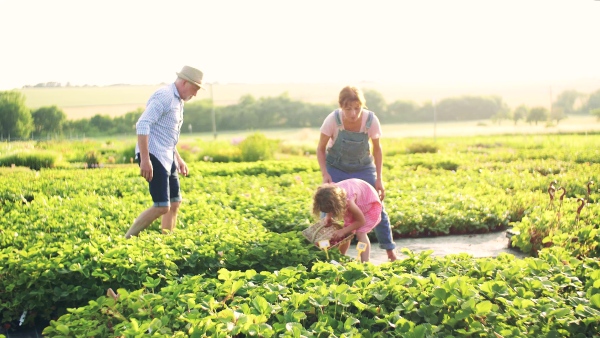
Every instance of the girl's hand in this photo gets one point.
(339, 234)
(327, 219)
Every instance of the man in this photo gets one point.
(158, 131)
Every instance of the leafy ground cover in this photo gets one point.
(238, 265)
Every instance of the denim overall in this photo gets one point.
(350, 157)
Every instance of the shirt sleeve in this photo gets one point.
(375, 130)
(154, 110)
(329, 125)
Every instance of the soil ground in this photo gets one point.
(483, 245)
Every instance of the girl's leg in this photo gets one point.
(383, 230)
(344, 247)
(365, 255)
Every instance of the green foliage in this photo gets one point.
(596, 112)
(238, 265)
(566, 101)
(519, 113)
(419, 148)
(35, 160)
(48, 120)
(375, 101)
(418, 297)
(15, 116)
(93, 159)
(469, 108)
(257, 147)
(592, 102)
(537, 114)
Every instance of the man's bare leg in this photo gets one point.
(169, 220)
(145, 219)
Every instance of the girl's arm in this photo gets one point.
(359, 220)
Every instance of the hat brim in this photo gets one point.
(183, 76)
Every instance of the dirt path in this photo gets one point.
(484, 245)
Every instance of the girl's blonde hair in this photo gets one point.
(329, 198)
(350, 94)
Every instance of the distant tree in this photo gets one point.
(126, 124)
(596, 112)
(101, 124)
(565, 102)
(198, 114)
(519, 113)
(557, 114)
(503, 111)
(400, 111)
(48, 120)
(537, 114)
(592, 103)
(77, 128)
(15, 117)
(375, 102)
(469, 108)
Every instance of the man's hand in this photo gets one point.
(146, 170)
(182, 167)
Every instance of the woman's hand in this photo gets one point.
(379, 188)
(327, 178)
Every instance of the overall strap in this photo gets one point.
(338, 120)
(369, 121)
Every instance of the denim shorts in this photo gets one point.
(164, 187)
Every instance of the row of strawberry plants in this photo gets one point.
(96, 209)
(456, 296)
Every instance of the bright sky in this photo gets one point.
(277, 41)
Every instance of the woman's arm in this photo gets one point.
(321, 156)
(378, 157)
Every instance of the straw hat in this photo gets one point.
(191, 74)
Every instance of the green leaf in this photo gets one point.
(595, 300)
(558, 313)
(63, 329)
(483, 308)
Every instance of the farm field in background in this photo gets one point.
(238, 265)
(84, 102)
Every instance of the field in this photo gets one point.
(84, 102)
(238, 266)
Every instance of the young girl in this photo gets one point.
(357, 203)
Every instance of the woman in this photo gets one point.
(343, 152)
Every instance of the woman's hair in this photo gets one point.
(350, 94)
(330, 198)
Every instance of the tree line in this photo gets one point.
(20, 122)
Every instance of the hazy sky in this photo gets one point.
(274, 41)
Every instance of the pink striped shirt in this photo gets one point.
(367, 201)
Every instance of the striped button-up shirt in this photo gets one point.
(162, 121)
